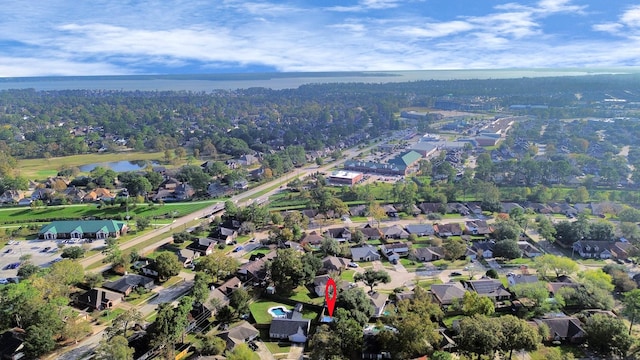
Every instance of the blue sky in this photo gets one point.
(104, 37)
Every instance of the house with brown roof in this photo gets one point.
(429, 208)
(341, 235)
(621, 249)
(222, 292)
(370, 232)
(379, 301)
(255, 270)
(446, 230)
(394, 232)
(427, 254)
(99, 299)
(312, 239)
(334, 263)
(98, 194)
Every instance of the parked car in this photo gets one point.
(352, 265)
(239, 248)
(4, 281)
(456, 273)
(46, 249)
(8, 251)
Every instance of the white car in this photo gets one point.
(352, 265)
(4, 281)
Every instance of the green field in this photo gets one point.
(72, 212)
(43, 168)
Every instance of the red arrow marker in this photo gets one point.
(331, 300)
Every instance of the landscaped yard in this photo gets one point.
(256, 252)
(275, 347)
(107, 316)
(303, 295)
(137, 299)
(259, 311)
(410, 265)
(347, 275)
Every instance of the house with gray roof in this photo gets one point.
(564, 329)
(126, 284)
(394, 232)
(239, 334)
(517, 279)
(491, 288)
(426, 254)
(379, 301)
(447, 294)
(365, 253)
(420, 229)
(291, 326)
(99, 299)
(81, 229)
(593, 249)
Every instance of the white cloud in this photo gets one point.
(631, 17)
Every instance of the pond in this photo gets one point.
(119, 166)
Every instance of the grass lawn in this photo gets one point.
(426, 284)
(41, 168)
(303, 295)
(450, 264)
(255, 252)
(259, 311)
(136, 299)
(172, 281)
(107, 316)
(410, 265)
(78, 211)
(347, 275)
(374, 242)
(448, 321)
(274, 347)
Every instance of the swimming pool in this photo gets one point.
(278, 311)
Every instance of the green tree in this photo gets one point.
(441, 355)
(239, 300)
(538, 294)
(372, 277)
(121, 323)
(479, 335)
(116, 348)
(72, 252)
(598, 278)
(507, 249)
(211, 345)
(454, 248)
(26, 270)
(75, 329)
(357, 303)
(287, 271)
(608, 335)
(200, 291)
(631, 307)
(310, 266)
(38, 341)
(545, 228)
(167, 265)
(474, 304)
(376, 212)
(142, 223)
(517, 334)
(329, 246)
(506, 230)
(217, 264)
(560, 265)
(323, 344)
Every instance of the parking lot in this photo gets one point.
(43, 253)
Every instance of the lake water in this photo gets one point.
(118, 166)
(277, 81)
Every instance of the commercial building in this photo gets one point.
(345, 177)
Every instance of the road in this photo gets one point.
(171, 294)
(245, 198)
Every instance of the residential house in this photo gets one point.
(529, 250)
(99, 299)
(239, 334)
(224, 235)
(199, 315)
(292, 326)
(593, 249)
(173, 190)
(372, 348)
(247, 160)
(540, 208)
(621, 249)
(447, 294)
(358, 210)
(241, 184)
(458, 208)
(255, 270)
(371, 233)
(25, 202)
(150, 269)
(390, 210)
(222, 292)
(83, 229)
(427, 254)
(333, 263)
(44, 194)
(474, 208)
(365, 253)
(339, 234)
(98, 194)
(187, 256)
(11, 196)
(446, 230)
(420, 229)
(508, 206)
(312, 239)
(395, 251)
(564, 329)
(379, 301)
(478, 227)
(483, 249)
(394, 232)
(203, 246)
(74, 194)
(516, 279)
(429, 208)
(126, 284)
(293, 245)
(491, 288)
(12, 344)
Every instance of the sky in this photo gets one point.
(109, 37)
